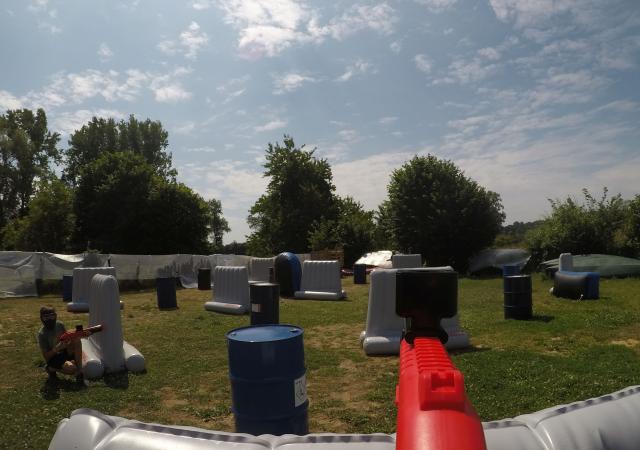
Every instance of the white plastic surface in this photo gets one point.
(259, 269)
(384, 327)
(321, 281)
(82, 286)
(230, 290)
(565, 262)
(609, 422)
(406, 261)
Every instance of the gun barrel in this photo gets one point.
(433, 409)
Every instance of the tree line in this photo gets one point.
(114, 189)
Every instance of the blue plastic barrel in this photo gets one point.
(359, 274)
(166, 291)
(67, 288)
(268, 380)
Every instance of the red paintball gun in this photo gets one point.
(79, 332)
(433, 409)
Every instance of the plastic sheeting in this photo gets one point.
(496, 258)
(380, 258)
(605, 265)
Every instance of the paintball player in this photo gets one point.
(60, 356)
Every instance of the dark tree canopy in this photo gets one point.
(147, 139)
(27, 151)
(353, 231)
(299, 193)
(605, 225)
(218, 225)
(435, 210)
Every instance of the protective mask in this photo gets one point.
(49, 324)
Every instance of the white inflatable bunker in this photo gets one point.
(384, 327)
(230, 290)
(604, 423)
(82, 286)
(320, 281)
(259, 269)
(406, 261)
(107, 351)
(565, 262)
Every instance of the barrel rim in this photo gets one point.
(253, 327)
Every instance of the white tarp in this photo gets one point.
(18, 274)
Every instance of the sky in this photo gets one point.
(532, 99)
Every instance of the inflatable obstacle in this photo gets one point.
(288, 273)
(384, 327)
(321, 281)
(603, 423)
(230, 290)
(575, 285)
(107, 351)
(81, 286)
(259, 269)
(406, 261)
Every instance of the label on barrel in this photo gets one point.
(256, 307)
(300, 390)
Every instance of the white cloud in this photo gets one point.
(185, 129)
(290, 82)
(395, 46)
(268, 27)
(233, 88)
(360, 67)
(104, 52)
(9, 101)
(69, 121)
(437, 5)
(37, 6)
(387, 120)
(349, 135)
(202, 4)
(489, 53)
(189, 43)
(200, 150)
(423, 63)
(272, 125)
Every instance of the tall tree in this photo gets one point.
(218, 225)
(299, 193)
(353, 231)
(147, 139)
(49, 223)
(27, 151)
(440, 213)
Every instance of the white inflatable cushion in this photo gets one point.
(321, 281)
(406, 261)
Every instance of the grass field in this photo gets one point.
(570, 351)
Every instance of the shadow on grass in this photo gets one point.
(119, 380)
(51, 387)
(470, 349)
(542, 318)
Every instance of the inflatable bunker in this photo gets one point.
(603, 423)
(576, 285)
(287, 273)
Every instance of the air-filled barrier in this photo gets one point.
(576, 285)
(268, 380)
(288, 273)
(518, 297)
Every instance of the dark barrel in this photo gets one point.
(268, 380)
(67, 288)
(507, 271)
(359, 274)
(166, 290)
(265, 303)
(517, 297)
(204, 279)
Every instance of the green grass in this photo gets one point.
(571, 351)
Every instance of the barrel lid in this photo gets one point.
(264, 333)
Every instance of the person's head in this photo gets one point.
(48, 316)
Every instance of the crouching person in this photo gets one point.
(60, 356)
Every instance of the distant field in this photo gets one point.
(570, 351)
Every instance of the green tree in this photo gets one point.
(353, 231)
(147, 139)
(27, 151)
(438, 212)
(602, 225)
(383, 235)
(123, 206)
(299, 193)
(49, 224)
(217, 226)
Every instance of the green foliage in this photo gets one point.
(299, 193)
(27, 149)
(436, 211)
(383, 236)
(605, 225)
(123, 206)
(353, 231)
(217, 226)
(514, 235)
(147, 139)
(48, 225)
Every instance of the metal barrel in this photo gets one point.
(265, 303)
(359, 274)
(268, 380)
(166, 291)
(67, 288)
(204, 279)
(518, 297)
